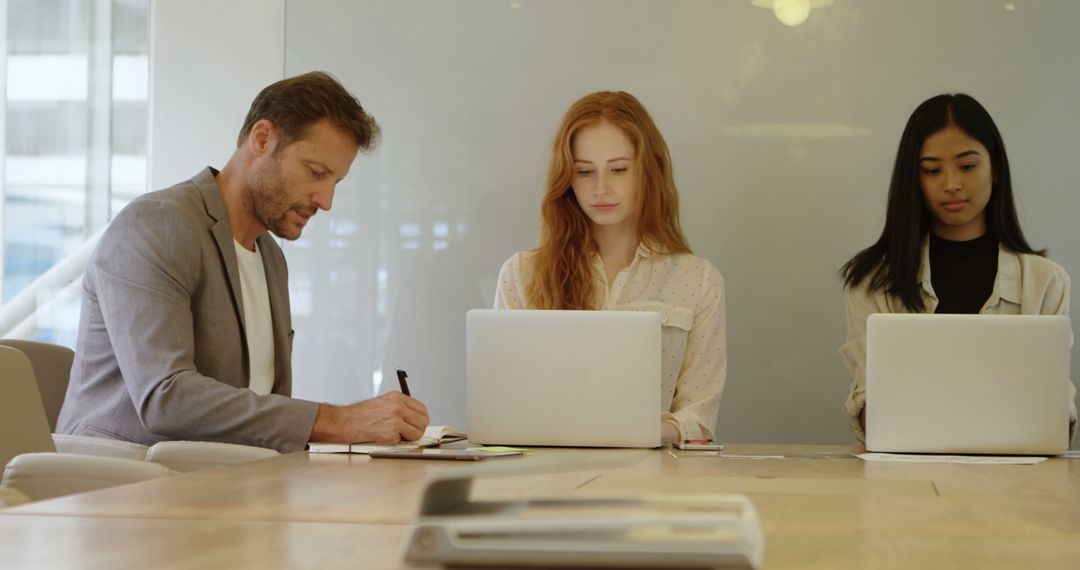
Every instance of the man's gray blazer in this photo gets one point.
(161, 352)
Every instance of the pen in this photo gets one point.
(401, 376)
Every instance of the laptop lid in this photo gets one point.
(563, 378)
(992, 384)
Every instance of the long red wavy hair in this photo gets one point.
(562, 267)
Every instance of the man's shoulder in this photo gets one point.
(181, 204)
(187, 195)
(170, 223)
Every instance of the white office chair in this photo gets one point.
(33, 467)
(12, 498)
(52, 371)
(47, 475)
(184, 456)
(99, 446)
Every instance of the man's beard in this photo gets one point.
(268, 202)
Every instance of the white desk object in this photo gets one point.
(653, 531)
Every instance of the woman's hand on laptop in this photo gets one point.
(389, 418)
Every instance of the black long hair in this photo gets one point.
(892, 263)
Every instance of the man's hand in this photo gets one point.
(390, 418)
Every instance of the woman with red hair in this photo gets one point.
(611, 240)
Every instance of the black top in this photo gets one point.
(963, 272)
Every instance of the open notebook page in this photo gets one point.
(433, 436)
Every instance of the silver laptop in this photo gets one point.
(990, 384)
(566, 378)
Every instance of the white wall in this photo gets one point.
(208, 60)
(783, 140)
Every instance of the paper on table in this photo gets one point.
(814, 455)
(498, 448)
(972, 459)
(314, 447)
(433, 436)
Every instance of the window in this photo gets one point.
(74, 141)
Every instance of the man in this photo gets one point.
(185, 331)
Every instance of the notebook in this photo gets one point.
(563, 378)
(434, 436)
(986, 384)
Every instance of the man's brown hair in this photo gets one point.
(295, 103)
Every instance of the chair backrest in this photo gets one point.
(23, 427)
(52, 368)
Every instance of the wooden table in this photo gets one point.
(325, 511)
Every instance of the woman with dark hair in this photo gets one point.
(610, 240)
(952, 241)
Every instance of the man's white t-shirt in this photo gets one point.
(257, 325)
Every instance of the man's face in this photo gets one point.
(295, 181)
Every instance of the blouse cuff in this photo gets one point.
(853, 407)
(689, 425)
